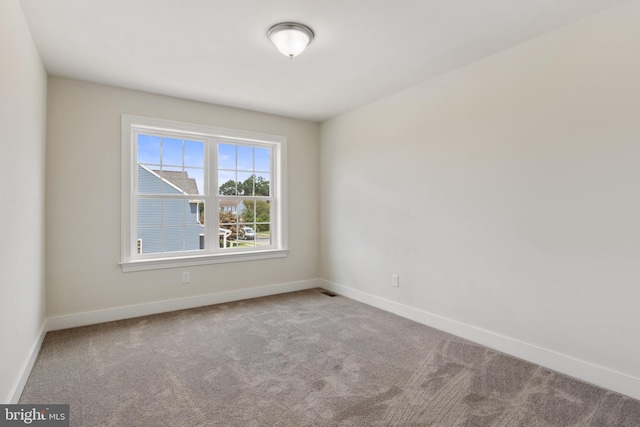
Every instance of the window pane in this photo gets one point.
(149, 240)
(262, 158)
(173, 212)
(148, 181)
(245, 158)
(171, 152)
(173, 238)
(263, 211)
(149, 212)
(175, 181)
(227, 183)
(245, 184)
(246, 235)
(262, 187)
(263, 234)
(248, 214)
(200, 217)
(226, 156)
(194, 237)
(149, 225)
(169, 225)
(148, 149)
(228, 218)
(255, 211)
(194, 181)
(194, 153)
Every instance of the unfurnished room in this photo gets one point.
(320, 213)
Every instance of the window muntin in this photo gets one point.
(175, 172)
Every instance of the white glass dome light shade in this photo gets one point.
(290, 38)
(290, 42)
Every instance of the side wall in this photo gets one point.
(506, 196)
(83, 202)
(23, 91)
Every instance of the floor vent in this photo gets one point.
(329, 294)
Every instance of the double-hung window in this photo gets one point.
(194, 194)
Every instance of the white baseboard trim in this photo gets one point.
(127, 312)
(23, 375)
(567, 365)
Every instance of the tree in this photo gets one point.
(245, 188)
(229, 221)
(262, 186)
(260, 214)
(228, 188)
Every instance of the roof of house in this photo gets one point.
(229, 202)
(181, 180)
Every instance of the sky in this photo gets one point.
(235, 162)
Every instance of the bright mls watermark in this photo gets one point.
(34, 415)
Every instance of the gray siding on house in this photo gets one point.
(166, 225)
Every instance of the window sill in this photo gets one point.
(159, 263)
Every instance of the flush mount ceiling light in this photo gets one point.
(290, 38)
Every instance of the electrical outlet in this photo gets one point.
(185, 277)
(395, 280)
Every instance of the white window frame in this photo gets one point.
(131, 261)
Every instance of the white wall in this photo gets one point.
(506, 194)
(83, 201)
(23, 89)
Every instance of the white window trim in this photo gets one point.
(129, 262)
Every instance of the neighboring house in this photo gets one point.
(232, 206)
(166, 225)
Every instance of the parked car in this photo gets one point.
(248, 233)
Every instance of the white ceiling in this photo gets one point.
(217, 51)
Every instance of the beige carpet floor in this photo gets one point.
(302, 359)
